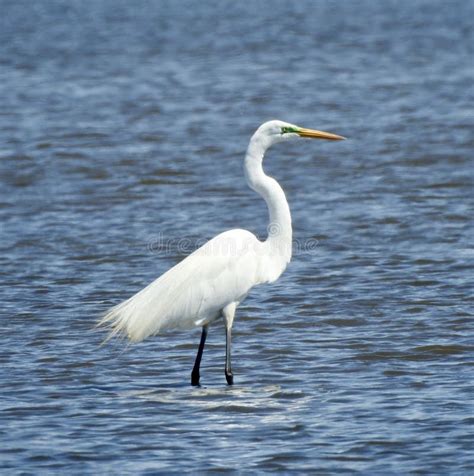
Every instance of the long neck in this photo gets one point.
(279, 238)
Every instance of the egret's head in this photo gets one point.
(272, 132)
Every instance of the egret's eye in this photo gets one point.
(287, 130)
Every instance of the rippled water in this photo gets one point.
(123, 127)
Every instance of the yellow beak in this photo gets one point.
(313, 134)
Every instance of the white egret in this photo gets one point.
(216, 278)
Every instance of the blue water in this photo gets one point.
(122, 132)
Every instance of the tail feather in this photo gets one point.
(111, 320)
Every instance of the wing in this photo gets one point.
(193, 292)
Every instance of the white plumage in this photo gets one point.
(213, 281)
(194, 292)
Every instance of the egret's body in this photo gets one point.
(214, 280)
(194, 292)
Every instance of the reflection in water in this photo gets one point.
(229, 399)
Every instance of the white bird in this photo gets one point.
(216, 278)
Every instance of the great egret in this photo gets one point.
(216, 278)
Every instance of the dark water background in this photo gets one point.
(122, 130)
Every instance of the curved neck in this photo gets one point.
(279, 229)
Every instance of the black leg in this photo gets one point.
(197, 363)
(228, 367)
